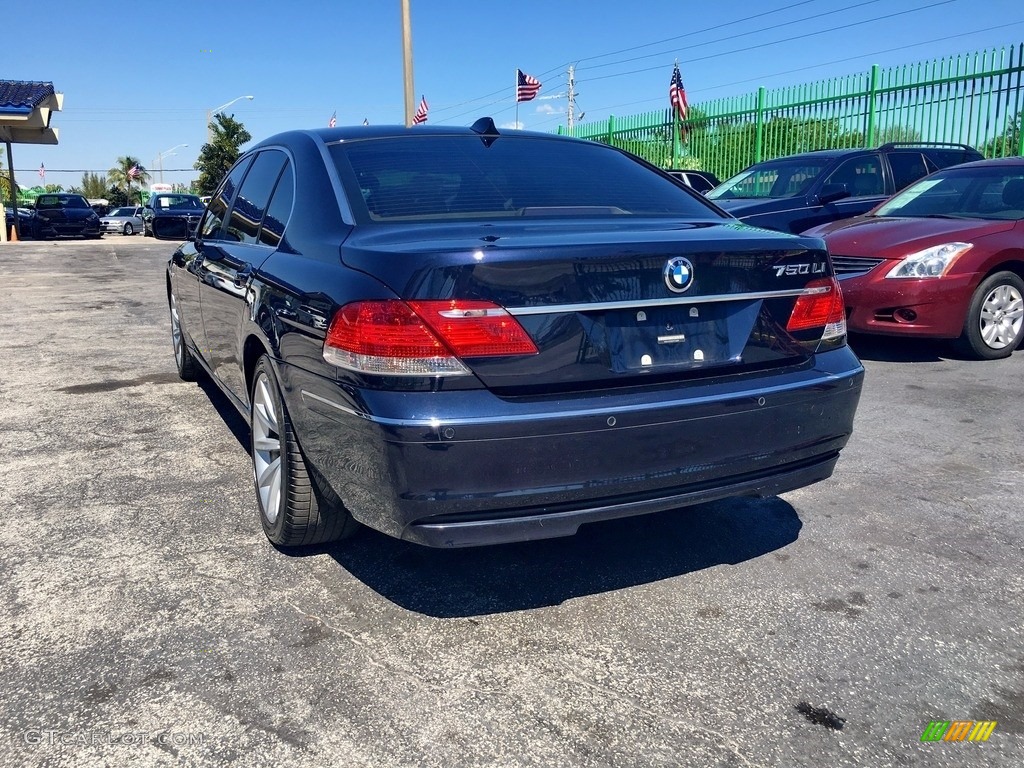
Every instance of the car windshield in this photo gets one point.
(456, 177)
(787, 177)
(177, 202)
(122, 212)
(61, 201)
(979, 192)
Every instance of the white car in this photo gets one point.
(126, 220)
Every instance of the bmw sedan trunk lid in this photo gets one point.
(615, 304)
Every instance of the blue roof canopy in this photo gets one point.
(25, 111)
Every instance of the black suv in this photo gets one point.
(171, 214)
(795, 193)
(63, 214)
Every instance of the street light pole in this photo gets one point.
(410, 96)
(211, 112)
(166, 153)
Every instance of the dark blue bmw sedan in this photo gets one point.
(457, 337)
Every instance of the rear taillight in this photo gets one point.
(820, 306)
(421, 338)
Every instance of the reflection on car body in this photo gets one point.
(449, 335)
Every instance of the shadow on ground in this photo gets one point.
(602, 557)
(888, 349)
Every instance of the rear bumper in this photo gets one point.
(467, 468)
(547, 525)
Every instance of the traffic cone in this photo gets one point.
(14, 234)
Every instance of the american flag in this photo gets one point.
(333, 121)
(421, 112)
(133, 172)
(528, 86)
(42, 172)
(677, 94)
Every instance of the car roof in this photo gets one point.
(353, 132)
(1010, 162)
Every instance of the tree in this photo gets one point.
(94, 186)
(127, 172)
(54, 188)
(116, 197)
(5, 185)
(1006, 144)
(217, 157)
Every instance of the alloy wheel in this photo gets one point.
(176, 338)
(1002, 313)
(266, 448)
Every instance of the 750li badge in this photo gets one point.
(799, 269)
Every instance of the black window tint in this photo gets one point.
(210, 228)
(279, 210)
(860, 175)
(907, 167)
(253, 198)
(433, 177)
(700, 184)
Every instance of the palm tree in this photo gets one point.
(127, 172)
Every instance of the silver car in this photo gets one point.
(125, 220)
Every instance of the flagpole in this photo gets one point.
(516, 92)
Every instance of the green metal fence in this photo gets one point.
(974, 99)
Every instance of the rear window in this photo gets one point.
(453, 177)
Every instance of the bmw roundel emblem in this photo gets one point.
(678, 274)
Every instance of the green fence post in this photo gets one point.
(611, 128)
(676, 149)
(872, 105)
(759, 122)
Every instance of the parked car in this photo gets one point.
(25, 223)
(943, 259)
(64, 214)
(453, 336)
(170, 210)
(701, 181)
(796, 193)
(126, 220)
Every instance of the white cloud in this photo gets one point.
(549, 109)
(513, 126)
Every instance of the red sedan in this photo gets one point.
(942, 259)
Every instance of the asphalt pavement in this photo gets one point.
(146, 621)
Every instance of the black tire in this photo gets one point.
(300, 512)
(188, 367)
(128, 229)
(994, 325)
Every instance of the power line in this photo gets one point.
(815, 66)
(743, 34)
(783, 40)
(691, 45)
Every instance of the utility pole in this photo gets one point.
(407, 63)
(570, 115)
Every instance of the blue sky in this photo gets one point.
(141, 81)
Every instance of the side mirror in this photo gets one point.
(832, 192)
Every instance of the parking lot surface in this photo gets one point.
(145, 620)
